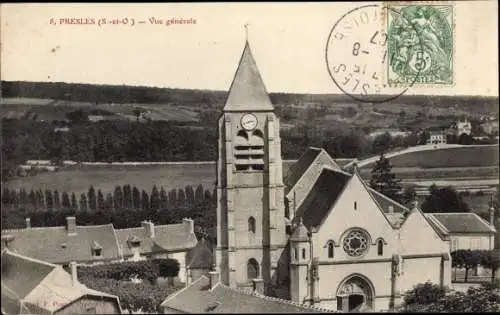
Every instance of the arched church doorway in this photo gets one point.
(355, 294)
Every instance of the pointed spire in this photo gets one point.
(247, 92)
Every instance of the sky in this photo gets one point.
(288, 42)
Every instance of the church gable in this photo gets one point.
(418, 236)
(356, 209)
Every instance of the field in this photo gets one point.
(46, 109)
(477, 156)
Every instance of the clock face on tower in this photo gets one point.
(248, 122)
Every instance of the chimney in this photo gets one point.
(258, 286)
(71, 225)
(391, 209)
(492, 216)
(189, 223)
(74, 274)
(214, 278)
(28, 223)
(149, 227)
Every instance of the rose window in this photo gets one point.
(356, 243)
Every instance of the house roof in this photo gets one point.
(38, 287)
(323, 194)
(198, 298)
(55, 245)
(449, 223)
(247, 92)
(201, 256)
(170, 237)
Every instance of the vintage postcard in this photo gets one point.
(249, 157)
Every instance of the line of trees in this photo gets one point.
(125, 207)
(471, 259)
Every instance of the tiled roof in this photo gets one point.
(169, 237)
(21, 275)
(460, 223)
(247, 92)
(198, 298)
(39, 287)
(322, 196)
(298, 168)
(55, 245)
(201, 256)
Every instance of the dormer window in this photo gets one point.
(134, 242)
(96, 249)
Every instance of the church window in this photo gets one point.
(296, 253)
(249, 151)
(355, 243)
(380, 247)
(251, 224)
(330, 249)
(252, 269)
(355, 205)
(303, 253)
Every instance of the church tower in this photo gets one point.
(250, 192)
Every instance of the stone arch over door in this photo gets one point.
(355, 293)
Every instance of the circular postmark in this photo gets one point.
(367, 46)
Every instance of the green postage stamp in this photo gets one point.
(420, 44)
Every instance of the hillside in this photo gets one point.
(215, 99)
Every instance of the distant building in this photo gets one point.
(102, 243)
(461, 127)
(437, 137)
(31, 286)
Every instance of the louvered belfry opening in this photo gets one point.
(249, 151)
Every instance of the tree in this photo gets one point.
(444, 199)
(83, 202)
(127, 197)
(155, 198)
(40, 201)
(409, 194)
(384, 181)
(172, 198)
(198, 195)
(108, 203)
(136, 196)
(74, 203)
(163, 198)
(381, 143)
(181, 198)
(32, 199)
(100, 200)
(66, 204)
(466, 259)
(49, 200)
(491, 260)
(92, 198)
(145, 200)
(189, 196)
(118, 198)
(57, 200)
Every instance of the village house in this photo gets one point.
(32, 286)
(94, 244)
(436, 137)
(465, 230)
